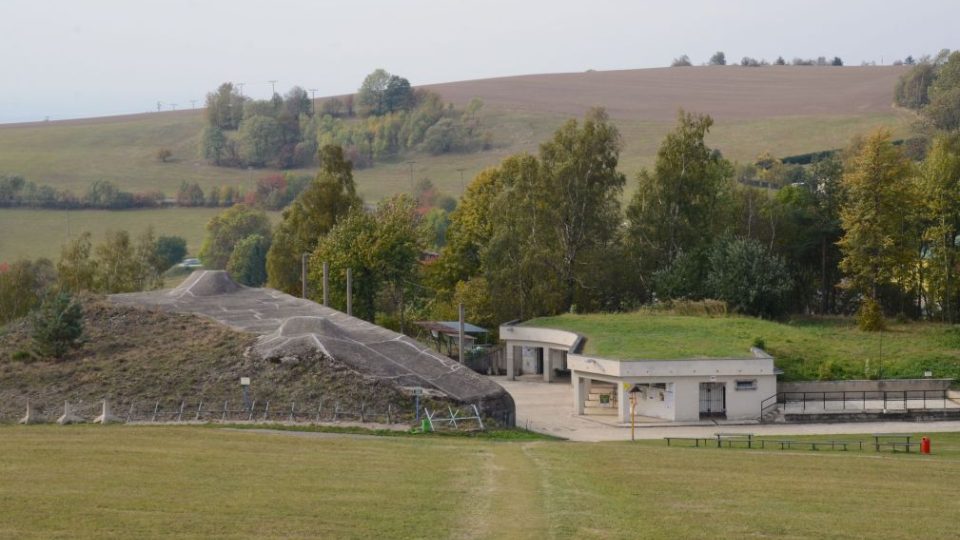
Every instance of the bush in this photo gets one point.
(58, 326)
(760, 343)
(870, 316)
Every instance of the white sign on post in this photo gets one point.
(244, 381)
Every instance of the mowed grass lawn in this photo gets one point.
(145, 482)
(28, 233)
(801, 347)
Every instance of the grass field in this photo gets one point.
(26, 233)
(145, 482)
(800, 346)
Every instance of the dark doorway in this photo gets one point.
(713, 400)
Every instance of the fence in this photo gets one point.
(867, 400)
(199, 410)
(456, 420)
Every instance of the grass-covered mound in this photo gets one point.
(805, 348)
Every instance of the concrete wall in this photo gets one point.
(888, 385)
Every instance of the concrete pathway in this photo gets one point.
(548, 408)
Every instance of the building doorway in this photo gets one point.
(713, 400)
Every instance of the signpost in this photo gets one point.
(633, 412)
(245, 384)
(417, 392)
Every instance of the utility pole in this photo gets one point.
(240, 86)
(410, 163)
(349, 292)
(173, 106)
(303, 274)
(193, 104)
(313, 100)
(273, 87)
(460, 310)
(460, 170)
(326, 283)
(159, 105)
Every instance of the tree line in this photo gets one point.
(390, 117)
(932, 87)
(719, 58)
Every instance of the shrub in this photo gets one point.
(870, 316)
(760, 343)
(58, 325)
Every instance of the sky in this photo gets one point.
(82, 58)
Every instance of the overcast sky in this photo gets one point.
(75, 58)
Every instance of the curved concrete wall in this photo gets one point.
(549, 337)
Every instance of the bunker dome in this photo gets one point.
(288, 326)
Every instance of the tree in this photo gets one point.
(682, 61)
(213, 144)
(297, 102)
(718, 59)
(878, 191)
(580, 198)
(380, 249)
(837, 61)
(58, 325)
(398, 95)
(260, 139)
(677, 206)
(939, 185)
(225, 107)
(748, 277)
(330, 197)
(228, 228)
(123, 267)
(247, 264)
(77, 270)
(372, 96)
(189, 194)
(22, 286)
(170, 250)
(913, 86)
(780, 61)
(944, 94)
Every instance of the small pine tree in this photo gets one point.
(870, 317)
(58, 325)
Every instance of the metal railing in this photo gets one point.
(864, 400)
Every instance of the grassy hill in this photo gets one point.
(781, 109)
(804, 348)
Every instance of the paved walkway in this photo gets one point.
(548, 408)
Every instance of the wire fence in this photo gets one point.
(203, 411)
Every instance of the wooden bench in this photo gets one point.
(894, 445)
(732, 438)
(813, 445)
(696, 440)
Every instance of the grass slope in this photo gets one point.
(95, 482)
(782, 110)
(800, 347)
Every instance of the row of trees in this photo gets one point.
(719, 58)
(118, 264)
(271, 192)
(17, 192)
(284, 132)
(932, 87)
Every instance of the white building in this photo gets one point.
(679, 390)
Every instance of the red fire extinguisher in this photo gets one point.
(925, 445)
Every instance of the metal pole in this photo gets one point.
(303, 275)
(326, 283)
(633, 417)
(460, 309)
(349, 292)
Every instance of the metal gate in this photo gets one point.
(713, 400)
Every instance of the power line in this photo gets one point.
(240, 86)
(273, 87)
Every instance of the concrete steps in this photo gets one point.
(594, 407)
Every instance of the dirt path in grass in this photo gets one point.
(508, 500)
